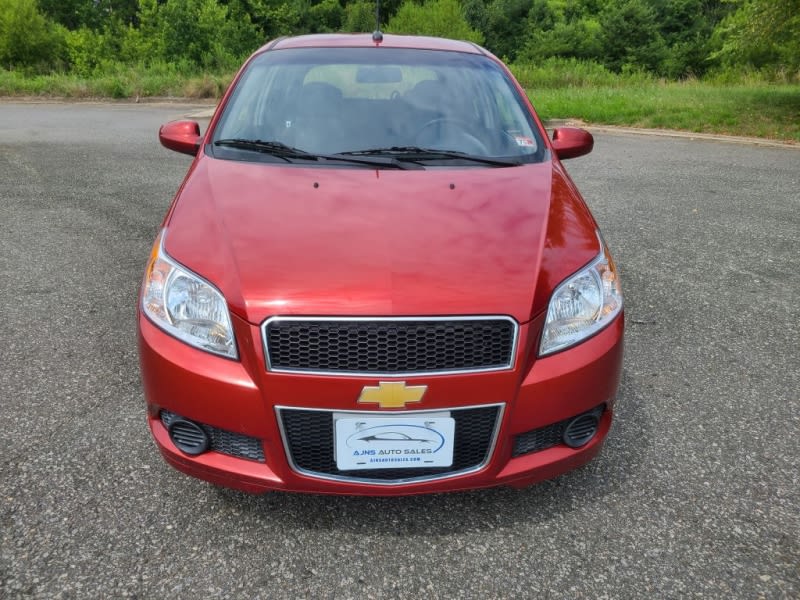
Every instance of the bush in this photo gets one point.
(85, 50)
(359, 16)
(442, 18)
(574, 39)
(325, 16)
(27, 40)
(506, 23)
(631, 37)
(761, 33)
(202, 33)
(554, 73)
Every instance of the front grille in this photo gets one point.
(226, 442)
(308, 435)
(548, 436)
(389, 346)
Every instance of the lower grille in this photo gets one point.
(225, 442)
(546, 437)
(310, 445)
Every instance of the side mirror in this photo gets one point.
(181, 136)
(569, 142)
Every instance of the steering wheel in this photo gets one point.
(452, 134)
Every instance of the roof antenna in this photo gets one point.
(377, 35)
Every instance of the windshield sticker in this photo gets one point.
(524, 141)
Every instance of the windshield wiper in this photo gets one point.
(274, 148)
(287, 153)
(415, 153)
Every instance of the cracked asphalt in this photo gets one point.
(696, 493)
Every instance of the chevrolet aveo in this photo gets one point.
(377, 278)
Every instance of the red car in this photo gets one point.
(377, 278)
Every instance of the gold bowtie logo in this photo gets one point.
(392, 394)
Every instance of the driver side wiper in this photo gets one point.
(417, 153)
(275, 148)
(285, 152)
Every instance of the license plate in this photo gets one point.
(394, 442)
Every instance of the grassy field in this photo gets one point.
(121, 83)
(746, 106)
(765, 111)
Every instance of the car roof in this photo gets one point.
(358, 40)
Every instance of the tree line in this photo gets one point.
(667, 38)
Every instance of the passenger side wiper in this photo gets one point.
(417, 153)
(281, 150)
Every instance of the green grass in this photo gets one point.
(121, 82)
(745, 103)
(557, 73)
(756, 110)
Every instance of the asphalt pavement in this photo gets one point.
(696, 493)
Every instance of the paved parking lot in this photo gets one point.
(696, 494)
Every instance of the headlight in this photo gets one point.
(185, 305)
(583, 304)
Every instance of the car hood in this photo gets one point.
(291, 240)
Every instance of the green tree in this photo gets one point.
(475, 13)
(556, 29)
(686, 28)
(276, 17)
(143, 44)
(87, 50)
(630, 36)
(568, 39)
(74, 14)
(201, 32)
(27, 39)
(761, 33)
(442, 18)
(240, 35)
(507, 26)
(70, 13)
(323, 17)
(359, 16)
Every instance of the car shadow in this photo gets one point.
(473, 511)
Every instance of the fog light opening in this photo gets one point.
(189, 437)
(582, 429)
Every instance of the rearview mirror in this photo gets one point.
(569, 142)
(382, 74)
(181, 136)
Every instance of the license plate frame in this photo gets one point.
(402, 441)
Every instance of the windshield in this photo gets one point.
(297, 104)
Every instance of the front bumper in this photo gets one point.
(242, 396)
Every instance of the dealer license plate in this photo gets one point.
(394, 442)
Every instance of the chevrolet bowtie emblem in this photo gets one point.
(392, 394)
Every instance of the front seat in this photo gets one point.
(317, 125)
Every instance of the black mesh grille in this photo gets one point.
(309, 435)
(386, 347)
(546, 437)
(226, 442)
(539, 439)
